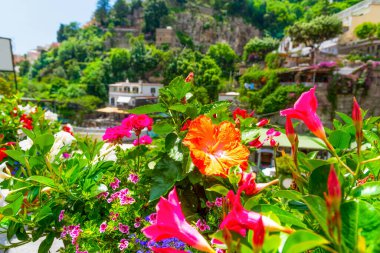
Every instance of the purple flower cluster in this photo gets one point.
(202, 225)
(218, 202)
(123, 196)
(134, 178)
(73, 232)
(61, 215)
(115, 184)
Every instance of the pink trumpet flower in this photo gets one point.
(250, 187)
(305, 109)
(240, 220)
(171, 222)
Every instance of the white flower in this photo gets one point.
(61, 139)
(51, 116)
(27, 109)
(26, 144)
(108, 153)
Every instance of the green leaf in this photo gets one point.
(289, 194)
(367, 190)
(303, 240)
(16, 155)
(318, 180)
(283, 215)
(371, 136)
(346, 119)
(162, 128)
(317, 207)
(43, 180)
(219, 189)
(146, 109)
(178, 87)
(43, 213)
(46, 244)
(340, 139)
(215, 108)
(349, 216)
(13, 208)
(164, 176)
(44, 143)
(179, 108)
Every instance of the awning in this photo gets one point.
(111, 110)
(124, 100)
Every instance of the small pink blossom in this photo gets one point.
(219, 202)
(123, 228)
(61, 215)
(137, 222)
(134, 178)
(115, 184)
(116, 134)
(114, 216)
(152, 218)
(66, 155)
(202, 225)
(209, 204)
(103, 227)
(123, 244)
(144, 140)
(103, 195)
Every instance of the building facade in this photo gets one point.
(128, 94)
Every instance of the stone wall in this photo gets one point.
(205, 30)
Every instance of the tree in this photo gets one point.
(153, 12)
(24, 68)
(207, 74)
(95, 77)
(224, 56)
(102, 12)
(67, 31)
(313, 33)
(256, 48)
(120, 12)
(120, 62)
(366, 30)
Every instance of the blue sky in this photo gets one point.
(30, 23)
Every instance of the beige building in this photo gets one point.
(365, 11)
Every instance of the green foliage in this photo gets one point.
(102, 12)
(67, 31)
(154, 11)
(119, 13)
(256, 48)
(274, 60)
(366, 30)
(224, 56)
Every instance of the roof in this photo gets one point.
(111, 110)
(305, 141)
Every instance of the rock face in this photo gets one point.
(205, 30)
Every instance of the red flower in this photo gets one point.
(262, 122)
(186, 125)
(242, 113)
(358, 123)
(305, 109)
(3, 155)
(256, 143)
(171, 222)
(190, 77)
(258, 235)
(333, 188)
(27, 122)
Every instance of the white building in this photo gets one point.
(128, 94)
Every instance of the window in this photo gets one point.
(153, 90)
(135, 90)
(114, 89)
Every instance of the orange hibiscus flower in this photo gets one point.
(214, 149)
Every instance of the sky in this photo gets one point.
(30, 23)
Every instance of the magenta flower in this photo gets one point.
(61, 215)
(172, 223)
(115, 184)
(202, 225)
(66, 155)
(103, 227)
(256, 143)
(144, 140)
(103, 195)
(209, 204)
(218, 202)
(305, 109)
(250, 187)
(123, 228)
(134, 178)
(137, 123)
(116, 134)
(123, 244)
